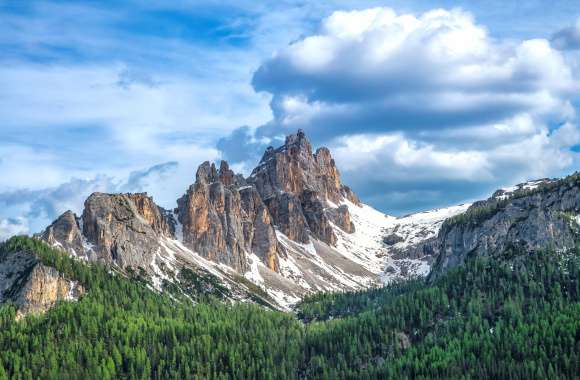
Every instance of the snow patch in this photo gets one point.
(254, 274)
(283, 299)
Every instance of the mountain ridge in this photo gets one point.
(291, 228)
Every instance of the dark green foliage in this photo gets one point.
(121, 329)
(516, 319)
(201, 284)
(504, 319)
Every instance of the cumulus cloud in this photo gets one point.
(568, 38)
(413, 105)
(374, 70)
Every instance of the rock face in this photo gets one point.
(297, 186)
(280, 228)
(211, 215)
(529, 219)
(340, 216)
(259, 233)
(123, 228)
(225, 217)
(65, 232)
(32, 286)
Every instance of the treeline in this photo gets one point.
(515, 319)
(518, 319)
(121, 329)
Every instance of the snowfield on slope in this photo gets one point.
(366, 245)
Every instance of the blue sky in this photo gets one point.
(423, 103)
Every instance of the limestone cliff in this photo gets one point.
(65, 233)
(211, 215)
(280, 228)
(544, 217)
(300, 188)
(124, 228)
(31, 286)
(224, 219)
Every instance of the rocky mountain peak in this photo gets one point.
(208, 173)
(225, 220)
(65, 232)
(293, 168)
(301, 189)
(268, 227)
(124, 229)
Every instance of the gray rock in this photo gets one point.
(65, 233)
(123, 229)
(340, 216)
(528, 221)
(211, 215)
(392, 239)
(293, 180)
(31, 286)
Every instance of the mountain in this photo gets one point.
(31, 286)
(130, 290)
(488, 319)
(291, 228)
(538, 215)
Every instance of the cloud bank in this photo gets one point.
(36, 209)
(412, 104)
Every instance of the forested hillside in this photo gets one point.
(517, 317)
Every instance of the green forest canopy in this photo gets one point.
(516, 319)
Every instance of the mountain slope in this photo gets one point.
(540, 215)
(289, 229)
(486, 319)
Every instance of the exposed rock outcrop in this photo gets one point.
(293, 181)
(392, 239)
(154, 215)
(259, 232)
(123, 228)
(280, 217)
(340, 216)
(224, 219)
(318, 222)
(31, 286)
(527, 220)
(211, 215)
(65, 233)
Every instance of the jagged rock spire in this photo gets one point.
(224, 217)
(299, 186)
(224, 220)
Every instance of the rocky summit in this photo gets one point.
(289, 228)
(292, 228)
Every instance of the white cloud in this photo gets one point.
(135, 111)
(12, 226)
(415, 104)
(440, 67)
(392, 161)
